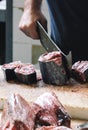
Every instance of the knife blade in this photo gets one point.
(83, 126)
(46, 41)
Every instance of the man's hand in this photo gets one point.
(28, 22)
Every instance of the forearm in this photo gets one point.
(32, 5)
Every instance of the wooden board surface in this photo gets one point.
(74, 97)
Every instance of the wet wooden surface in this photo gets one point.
(74, 96)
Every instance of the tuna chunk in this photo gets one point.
(18, 114)
(52, 112)
(54, 68)
(80, 71)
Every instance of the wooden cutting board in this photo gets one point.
(74, 97)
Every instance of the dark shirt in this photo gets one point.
(69, 26)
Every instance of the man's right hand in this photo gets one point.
(28, 22)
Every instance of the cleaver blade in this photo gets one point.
(46, 41)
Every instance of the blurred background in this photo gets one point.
(15, 45)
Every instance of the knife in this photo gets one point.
(46, 41)
(83, 126)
